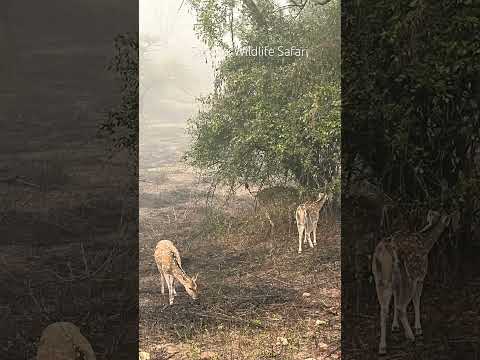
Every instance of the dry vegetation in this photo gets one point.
(53, 271)
(259, 298)
(449, 304)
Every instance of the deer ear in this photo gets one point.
(448, 221)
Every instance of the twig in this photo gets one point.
(217, 315)
(59, 226)
(331, 352)
(13, 179)
(87, 271)
(39, 305)
(147, 181)
(5, 270)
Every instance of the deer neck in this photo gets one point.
(179, 273)
(433, 234)
(319, 204)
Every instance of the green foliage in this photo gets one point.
(270, 120)
(122, 122)
(412, 91)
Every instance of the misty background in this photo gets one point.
(175, 69)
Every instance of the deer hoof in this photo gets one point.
(382, 351)
(395, 328)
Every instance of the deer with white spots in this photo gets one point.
(307, 216)
(399, 266)
(169, 265)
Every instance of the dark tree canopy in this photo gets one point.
(122, 122)
(425, 128)
(411, 77)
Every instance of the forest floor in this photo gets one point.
(259, 299)
(67, 218)
(450, 315)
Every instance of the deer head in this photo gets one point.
(191, 287)
(436, 224)
(322, 196)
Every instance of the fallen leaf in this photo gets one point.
(142, 355)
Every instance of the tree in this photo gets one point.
(7, 44)
(271, 119)
(411, 78)
(122, 122)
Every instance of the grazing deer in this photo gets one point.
(169, 265)
(307, 216)
(399, 266)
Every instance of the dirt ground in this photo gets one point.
(67, 219)
(259, 299)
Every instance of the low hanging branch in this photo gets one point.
(255, 12)
(323, 2)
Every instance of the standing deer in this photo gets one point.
(169, 265)
(307, 215)
(399, 266)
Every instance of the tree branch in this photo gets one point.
(255, 12)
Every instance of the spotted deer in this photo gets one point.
(399, 266)
(169, 265)
(307, 215)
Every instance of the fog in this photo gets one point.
(175, 68)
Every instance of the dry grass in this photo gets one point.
(449, 310)
(63, 252)
(252, 302)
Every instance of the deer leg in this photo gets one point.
(305, 239)
(315, 234)
(402, 313)
(170, 289)
(162, 282)
(416, 304)
(272, 225)
(395, 326)
(309, 239)
(174, 287)
(301, 230)
(384, 294)
(162, 278)
(403, 291)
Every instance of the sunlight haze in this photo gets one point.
(177, 69)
